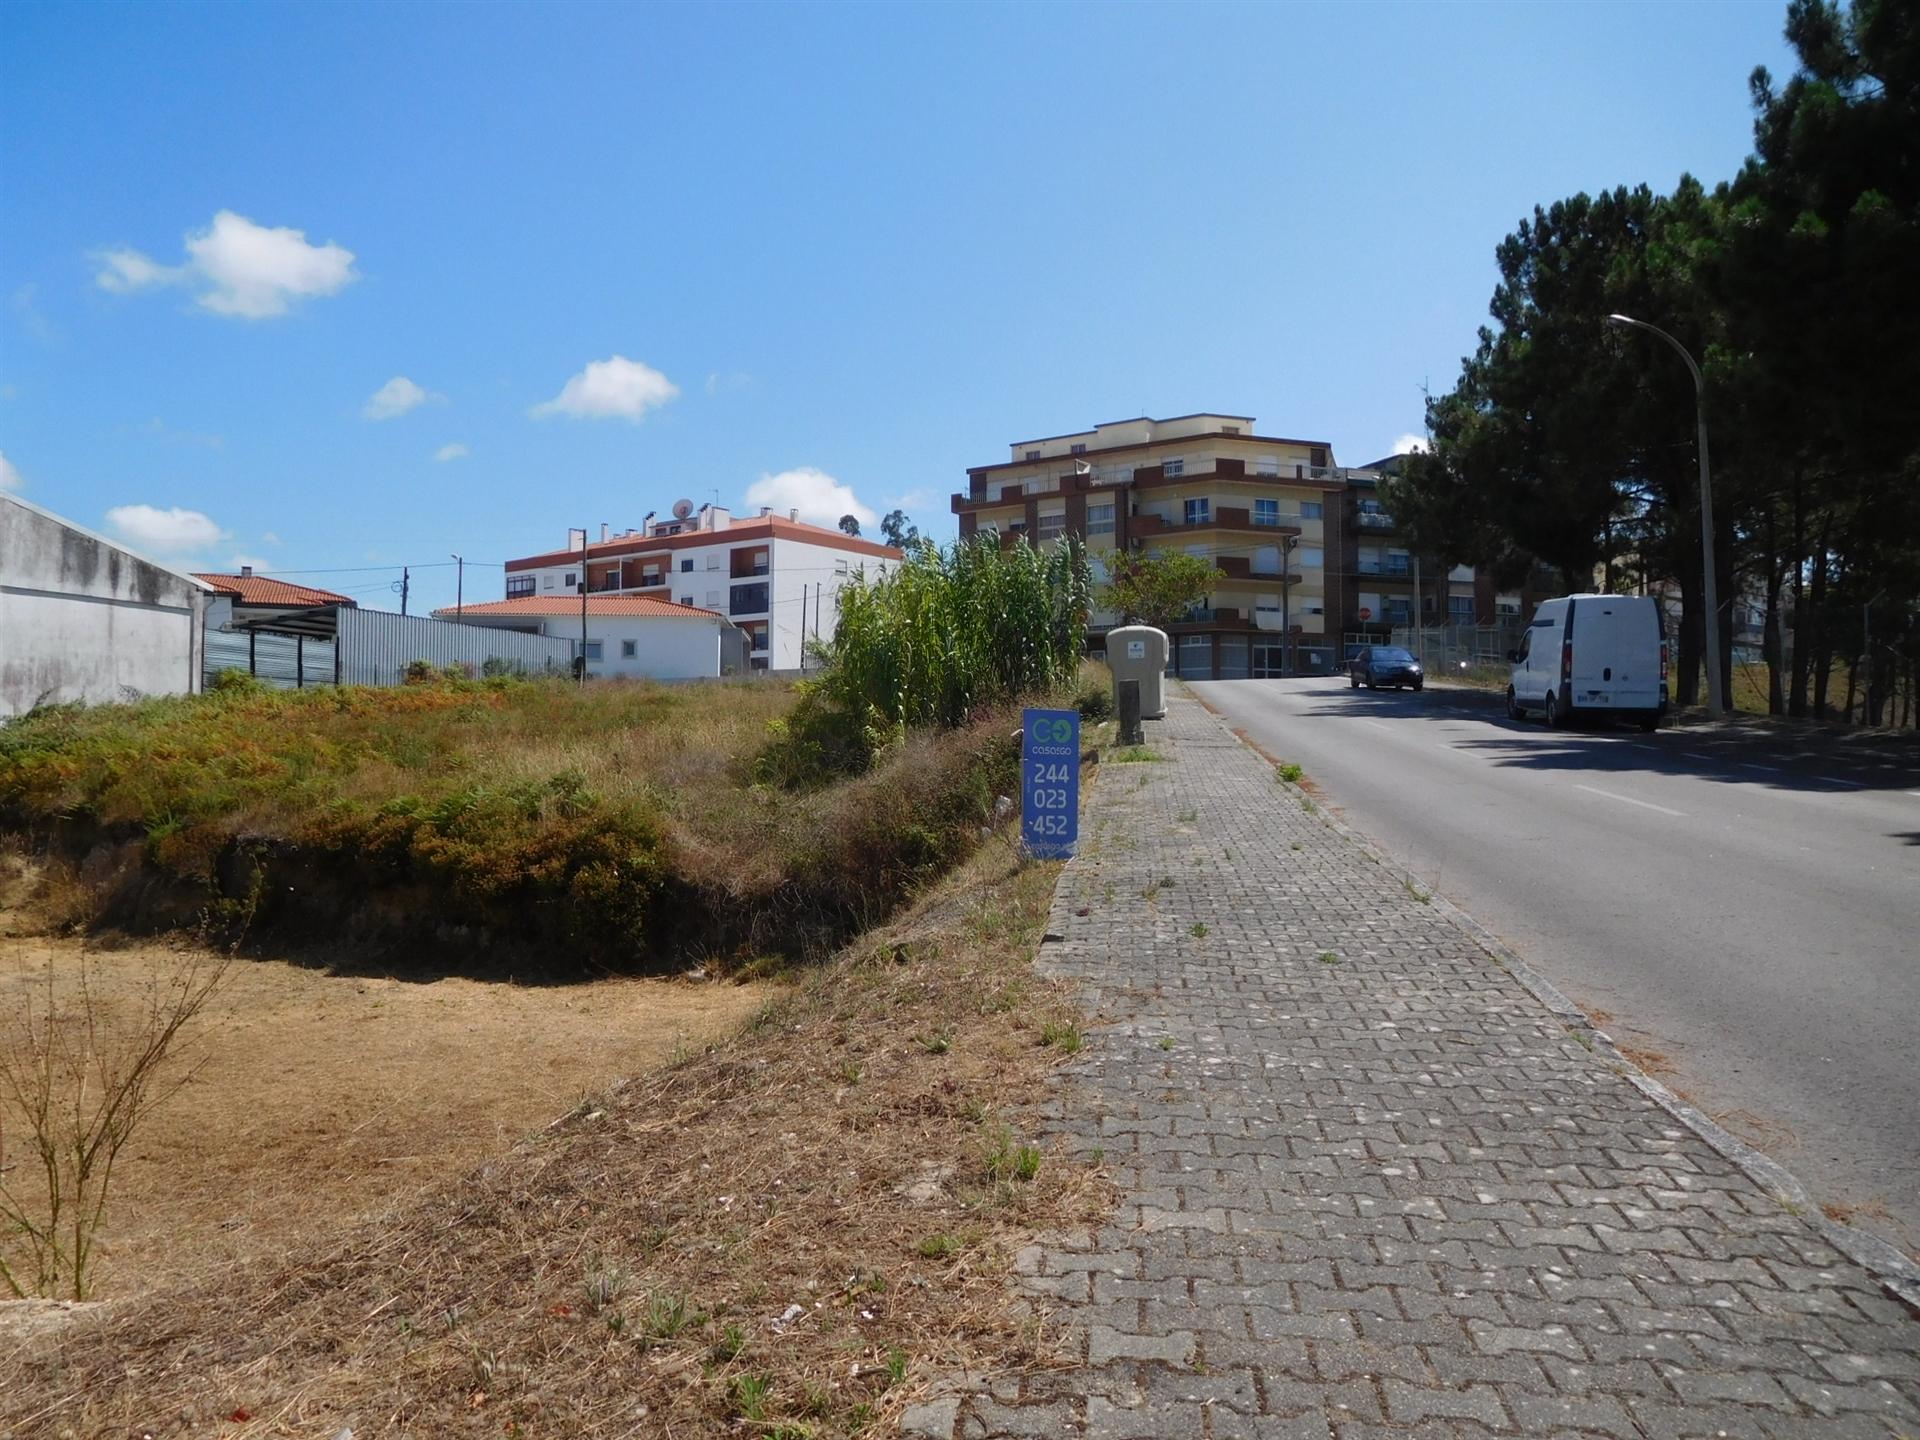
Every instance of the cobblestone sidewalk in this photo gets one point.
(1371, 1186)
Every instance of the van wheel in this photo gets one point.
(1551, 712)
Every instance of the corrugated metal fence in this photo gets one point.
(375, 647)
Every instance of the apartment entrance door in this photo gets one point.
(1269, 659)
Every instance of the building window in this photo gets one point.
(686, 565)
(593, 649)
(1033, 454)
(1100, 519)
(1199, 512)
(1309, 558)
(1317, 457)
(573, 579)
(1399, 563)
(1399, 609)
(1229, 429)
(1266, 512)
(546, 582)
(1460, 609)
(1267, 465)
(747, 600)
(518, 585)
(713, 562)
(629, 649)
(1310, 509)
(1173, 468)
(686, 599)
(757, 637)
(1079, 450)
(713, 599)
(1051, 526)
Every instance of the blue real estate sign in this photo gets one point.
(1050, 782)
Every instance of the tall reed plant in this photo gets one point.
(951, 632)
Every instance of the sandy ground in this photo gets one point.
(320, 1098)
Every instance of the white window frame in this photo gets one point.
(1266, 512)
(1312, 509)
(629, 649)
(1101, 524)
(1205, 512)
(1173, 468)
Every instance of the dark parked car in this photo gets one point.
(1377, 665)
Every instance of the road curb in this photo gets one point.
(1894, 1271)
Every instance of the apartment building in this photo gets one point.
(1390, 583)
(1268, 511)
(775, 576)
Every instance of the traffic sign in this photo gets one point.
(1365, 613)
(1050, 782)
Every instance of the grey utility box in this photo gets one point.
(1139, 652)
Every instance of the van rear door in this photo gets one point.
(1616, 653)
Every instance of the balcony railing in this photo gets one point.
(1374, 520)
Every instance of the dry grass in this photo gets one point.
(782, 1236)
(320, 1098)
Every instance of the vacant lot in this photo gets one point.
(523, 825)
(322, 1098)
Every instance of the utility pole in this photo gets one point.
(583, 604)
(459, 586)
(1419, 615)
(402, 586)
(1287, 542)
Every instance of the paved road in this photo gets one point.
(1741, 903)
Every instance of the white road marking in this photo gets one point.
(1831, 780)
(1749, 765)
(1628, 799)
(1695, 755)
(1376, 724)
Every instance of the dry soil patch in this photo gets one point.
(322, 1098)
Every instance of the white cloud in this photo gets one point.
(238, 267)
(269, 538)
(124, 271)
(735, 380)
(396, 398)
(165, 532)
(10, 478)
(1409, 443)
(818, 497)
(455, 451)
(616, 387)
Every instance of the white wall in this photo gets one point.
(666, 648)
(82, 619)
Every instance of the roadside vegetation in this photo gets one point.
(790, 1233)
(556, 827)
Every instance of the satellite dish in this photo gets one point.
(682, 509)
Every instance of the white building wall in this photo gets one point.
(82, 619)
(664, 648)
(806, 595)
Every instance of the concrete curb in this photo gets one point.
(1897, 1274)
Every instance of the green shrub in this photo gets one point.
(235, 681)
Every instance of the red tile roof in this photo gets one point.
(739, 532)
(596, 605)
(259, 590)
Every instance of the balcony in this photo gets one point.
(1146, 525)
(1374, 520)
(1241, 568)
(747, 600)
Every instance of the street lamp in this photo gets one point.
(1710, 595)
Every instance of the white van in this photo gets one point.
(1592, 655)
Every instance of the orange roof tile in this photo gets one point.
(759, 527)
(596, 605)
(259, 590)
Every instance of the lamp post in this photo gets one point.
(1710, 589)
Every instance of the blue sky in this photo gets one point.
(868, 244)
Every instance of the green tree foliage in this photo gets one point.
(897, 530)
(850, 524)
(1797, 288)
(1156, 589)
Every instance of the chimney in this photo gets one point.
(604, 532)
(793, 515)
(246, 572)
